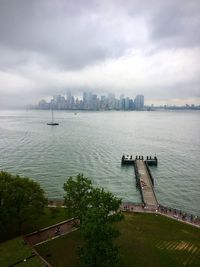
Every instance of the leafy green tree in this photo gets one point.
(98, 210)
(77, 195)
(98, 231)
(21, 199)
(5, 178)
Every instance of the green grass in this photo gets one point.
(61, 251)
(150, 240)
(146, 240)
(51, 216)
(15, 250)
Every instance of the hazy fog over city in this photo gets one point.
(117, 47)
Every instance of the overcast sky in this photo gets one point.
(149, 47)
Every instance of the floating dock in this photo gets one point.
(144, 179)
(129, 160)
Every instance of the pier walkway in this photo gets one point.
(145, 184)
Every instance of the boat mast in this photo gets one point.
(52, 116)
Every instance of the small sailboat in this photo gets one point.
(52, 123)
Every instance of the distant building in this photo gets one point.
(126, 103)
(103, 103)
(111, 101)
(94, 102)
(43, 104)
(59, 101)
(131, 104)
(91, 101)
(139, 102)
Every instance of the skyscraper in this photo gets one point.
(139, 102)
(127, 103)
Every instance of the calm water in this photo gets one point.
(93, 143)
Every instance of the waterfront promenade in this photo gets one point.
(145, 183)
(174, 214)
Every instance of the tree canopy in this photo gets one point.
(21, 199)
(77, 195)
(97, 211)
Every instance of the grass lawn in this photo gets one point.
(147, 240)
(51, 216)
(15, 250)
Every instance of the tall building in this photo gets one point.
(85, 100)
(91, 101)
(59, 101)
(122, 102)
(70, 100)
(94, 103)
(111, 101)
(126, 106)
(139, 102)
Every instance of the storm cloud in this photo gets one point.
(149, 47)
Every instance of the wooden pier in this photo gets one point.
(144, 179)
(129, 160)
(146, 185)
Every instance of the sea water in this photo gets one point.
(92, 143)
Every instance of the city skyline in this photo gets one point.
(132, 47)
(90, 101)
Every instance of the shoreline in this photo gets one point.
(174, 214)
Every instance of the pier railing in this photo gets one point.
(179, 214)
(149, 172)
(145, 207)
(162, 210)
(137, 177)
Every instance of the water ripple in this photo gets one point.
(92, 143)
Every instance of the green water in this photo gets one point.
(93, 143)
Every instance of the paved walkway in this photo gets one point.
(162, 210)
(51, 232)
(146, 185)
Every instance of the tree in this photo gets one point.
(98, 231)
(21, 199)
(5, 178)
(77, 195)
(100, 212)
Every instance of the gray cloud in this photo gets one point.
(76, 34)
(177, 24)
(48, 46)
(70, 34)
